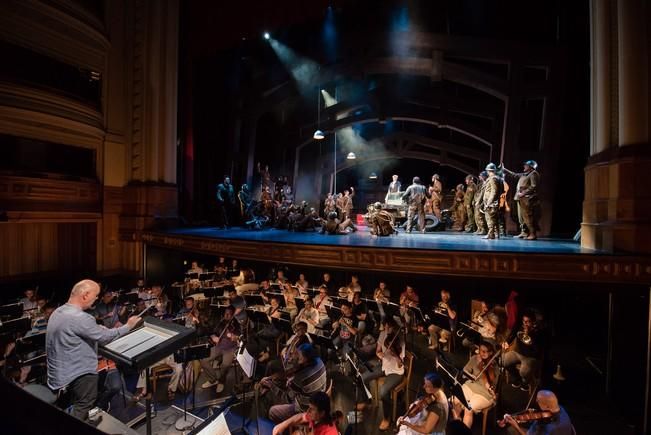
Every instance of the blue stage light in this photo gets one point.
(267, 35)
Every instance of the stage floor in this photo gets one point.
(447, 241)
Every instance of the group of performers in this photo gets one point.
(288, 331)
(480, 205)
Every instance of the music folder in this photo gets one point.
(147, 344)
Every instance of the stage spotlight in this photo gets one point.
(373, 176)
(351, 156)
(318, 135)
(266, 35)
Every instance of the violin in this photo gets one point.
(105, 364)
(526, 416)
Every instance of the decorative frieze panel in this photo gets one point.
(38, 194)
(569, 267)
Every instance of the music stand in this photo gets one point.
(253, 300)
(333, 312)
(282, 325)
(300, 304)
(185, 355)
(11, 311)
(358, 379)
(215, 424)
(192, 275)
(205, 276)
(21, 324)
(29, 345)
(455, 388)
(248, 364)
(212, 292)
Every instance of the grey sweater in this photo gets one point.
(70, 343)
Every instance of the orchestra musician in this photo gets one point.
(270, 333)
(189, 312)
(321, 301)
(360, 311)
(309, 315)
(72, 335)
(159, 300)
(308, 378)
(245, 282)
(381, 296)
(429, 414)
(195, 268)
(525, 349)
(446, 308)
(224, 337)
(347, 325)
(556, 422)
(485, 322)
(390, 352)
(29, 301)
(302, 284)
(108, 312)
(408, 299)
(288, 354)
(317, 418)
(483, 372)
(290, 294)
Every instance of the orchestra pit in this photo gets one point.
(325, 217)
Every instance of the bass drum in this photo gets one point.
(431, 223)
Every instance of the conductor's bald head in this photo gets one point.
(84, 294)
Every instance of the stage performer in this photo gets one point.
(333, 226)
(459, 208)
(329, 205)
(347, 203)
(245, 197)
(70, 342)
(436, 192)
(394, 188)
(381, 221)
(415, 196)
(265, 177)
(526, 196)
(491, 199)
(468, 203)
(480, 219)
(225, 202)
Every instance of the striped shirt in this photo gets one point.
(307, 381)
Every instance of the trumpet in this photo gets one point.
(524, 338)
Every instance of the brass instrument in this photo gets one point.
(524, 338)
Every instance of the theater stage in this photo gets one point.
(443, 253)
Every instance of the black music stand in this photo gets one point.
(11, 311)
(212, 292)
(205, 276)
(333, 312)
(455, 388)
(145, 345)
(192, 275)
(21, 324)
(185, 355)
(248, 364)
(253, 300)
(300, 304)
(216, 423)
(282, 325)
(358, 379)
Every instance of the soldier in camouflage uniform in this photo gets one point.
(415, 196)
(480, 219)
(492, 191)
(526, 196)
(468, 203)
(436, 194)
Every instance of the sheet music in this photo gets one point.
(216, 427)
(247, 362)
(138, 341)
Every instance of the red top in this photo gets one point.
(322, 428)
